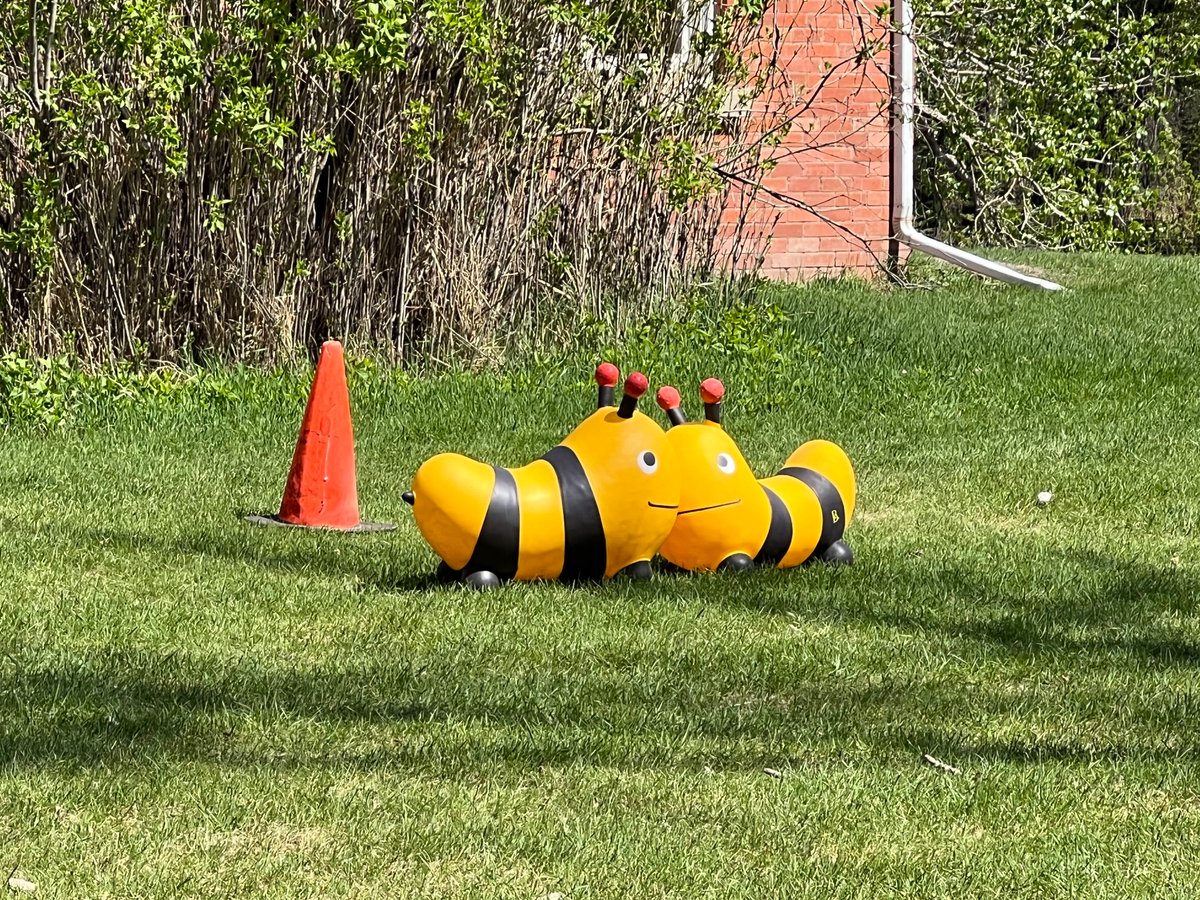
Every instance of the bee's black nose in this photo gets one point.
(408, 497)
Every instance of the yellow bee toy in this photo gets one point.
(598, 504)
(729, 520)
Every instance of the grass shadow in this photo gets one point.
(641, 708)
(1086, 648)
(1114, 607)
(318, 553)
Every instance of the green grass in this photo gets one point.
(193, 707)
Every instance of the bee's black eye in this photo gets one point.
(647, 462)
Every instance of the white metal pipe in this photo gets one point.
(903, 113)
(685, 37)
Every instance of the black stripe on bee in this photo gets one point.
(499, 543)
(779, 535)
(833, 511)
(585, 553)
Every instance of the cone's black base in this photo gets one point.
(360, 528)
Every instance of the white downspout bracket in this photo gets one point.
(903, 113)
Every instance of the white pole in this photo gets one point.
(685, 37)
(903, 113)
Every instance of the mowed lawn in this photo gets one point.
(194, 707)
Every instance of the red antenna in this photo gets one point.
(711, 392)
(635, 385)
(607, 376)
(669, 399)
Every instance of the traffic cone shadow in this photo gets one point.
(322, 487)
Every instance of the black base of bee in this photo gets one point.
(838, 554)
(739, 562)
(483, 581)
(638, 571)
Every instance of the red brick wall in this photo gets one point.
(834, 158)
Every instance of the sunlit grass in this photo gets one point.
(190, 706)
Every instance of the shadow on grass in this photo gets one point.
(1111, 607)
(461, 710)
(129, 710)
(370, 558)
(1012, 666)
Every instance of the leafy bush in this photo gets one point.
(426, 178)
(49, 391)
(1052, 122)
(744, 336)
(420, 175)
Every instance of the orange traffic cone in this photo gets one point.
(322, 490)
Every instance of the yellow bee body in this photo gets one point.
(599, 503)
(728, 518)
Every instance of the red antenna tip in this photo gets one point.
(607, 375)
(711, 390)
(636, 384)
(668, 397)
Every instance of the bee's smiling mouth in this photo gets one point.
(661, 505)
(696, 509)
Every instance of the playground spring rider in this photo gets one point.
(598, 504)
(729, 520)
